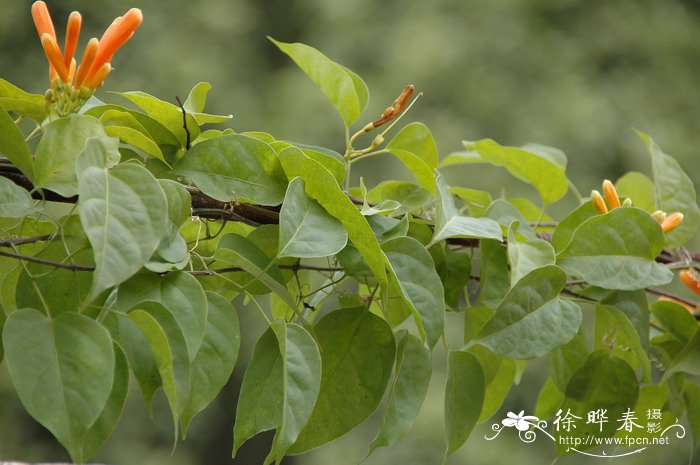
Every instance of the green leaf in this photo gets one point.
(165, 113)
(357, 354)
(533, 168)
(526, 255)
(549, 400)
(306, 229)
(345, 90)
(170, 352)
(12, 144)
(564, 231)
(464, 396)
(194, 105)
(215, 359)
(455, 276)
(124, 213)
(635, 306)
(235, 167)
(410, 196)
(674, 191)
(691, 396)
(410, 386)
(15, 202)
(617, 251)
(419, 284)
(639, 188)
(614, 331)
(675, 319)
(172, 252)
(101, 430)
(415, 147)
(60, 146)
(566, 359)
(179, 292)
(477, 201)
(493, 273)
(62, 369)
(532, 319)
(449, 223)
(502, 212)
(499, 374)
(238, 251)
(687, 360)
(14, 99)
(321, 186)
(155, 130)
(301, 381)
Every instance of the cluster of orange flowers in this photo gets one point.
(71, 85)
(612, 200)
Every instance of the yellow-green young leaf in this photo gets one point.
(613, 330)
(691, 396)
(419, 284)
(63, 142)
(13, 99)
(357, 354)
(123, 125)
(194, 105)
(617, 251)
(166, 113)
(526, 255)
(154, 129)
(13, 146)
(535, 168)
(449, 223)
(321, 186)
(602, 382)
(477, 201)
(415, 147)
(549, 400)
(306, 229)
(345, 89)
(62, 369)
(179, 292)
(15, 201)
(169, 349)
(124, 213)
(638, 188)
(675, 192)
(215, 359)
(235, 167)
(101, 430)
(411, 379)
(464, 397)
(499, 374)
(532, 319)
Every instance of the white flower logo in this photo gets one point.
(520, 421)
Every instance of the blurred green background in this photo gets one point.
(574, 74)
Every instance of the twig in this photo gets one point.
(24, 240)
(43, 261)
(184, 123)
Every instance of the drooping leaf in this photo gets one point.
(415, 147)
(345, 89)
(526, 255)
(306, 229)
(464, 396)
(124, 213)
(62, 369)
(449, 223)
(675, 191)
(532, 319)
(617, 251)
(357, 354)
(12, 144)
(15, 202)
(419, 284)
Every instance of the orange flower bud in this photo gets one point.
(598, 202)
(42, 20)
(610, 194)
(86, 62)
(96, 80)
(53, 53)
(114, 37)
(671, 222)
(72, 35)
(690, 278)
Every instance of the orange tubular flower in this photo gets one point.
(671, 222)
(610, 194)
(72, 85)
(690, 278)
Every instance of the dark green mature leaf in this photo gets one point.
(493, 273)
(345, 89)
(169, 350)
(14, 99)
(675, 319)
(62, 143)
(12, 144)
(617, 251)
(565, 360)
(179, 292)
(101, 430)
(455, 276)
(532, 319)
(321, 186)
(15, 202)
(526, 255)
(613, 330)
(215, 359)
(638, 188)
(533, 168)
(687, 360)
(357, 354)
(449, 223)
(235, 167)
(564, 231)
(410, 386)
(464, 396)
(635, 306)
(62, 369)
(415, 147)
(419, 284)
(123, 211)
(306, 229)
(675, 191)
